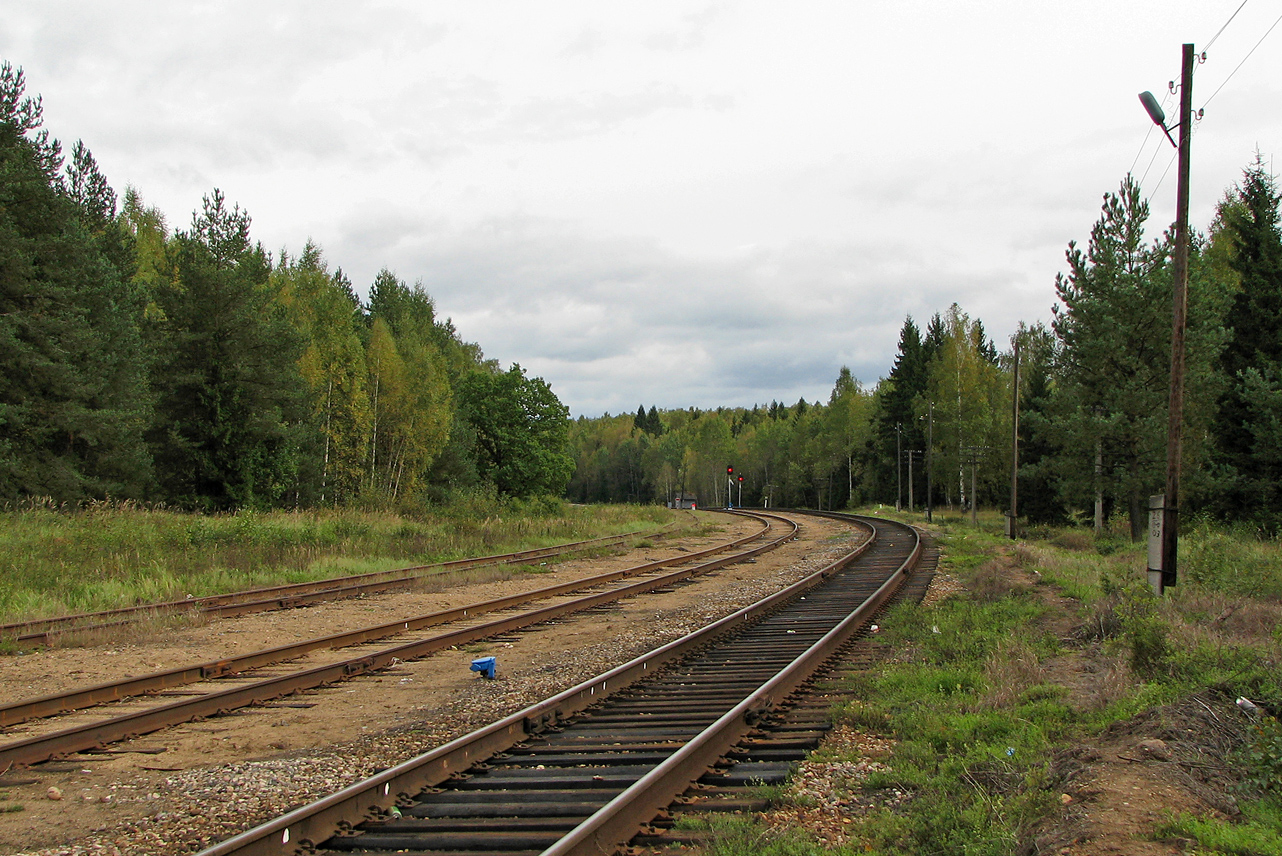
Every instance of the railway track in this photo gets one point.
(38, 730)
(44, 631)
(585, 770)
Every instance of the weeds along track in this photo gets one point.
(584, 771)
(45, 631)
(90, 718)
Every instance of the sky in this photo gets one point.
(679, 204)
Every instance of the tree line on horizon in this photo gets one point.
(193, 368)
(1093, 388)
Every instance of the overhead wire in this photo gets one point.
(1243, 62)
(1197, 123)
(1207, 46)
(1198, 113)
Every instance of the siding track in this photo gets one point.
(45, 631)
(143, 704)
(584, 771)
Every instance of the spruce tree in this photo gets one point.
(1247, 428)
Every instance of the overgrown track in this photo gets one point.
(229, 684)
(44, 631)
(582, 772)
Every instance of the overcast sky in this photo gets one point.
(664, 203)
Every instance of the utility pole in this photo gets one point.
(1164, 575)
(930, 445)
(911, 454)
(973, 454)
(899, 467)
(1180, 279)
(1014, 448)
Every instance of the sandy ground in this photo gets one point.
(61, 802)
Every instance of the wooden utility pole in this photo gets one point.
(1179, 277)
(930, 445)
(899, 467)
(1014, 448)
(911, 453)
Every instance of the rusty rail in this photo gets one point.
(95, 735)
(42, 631)
(610, 826)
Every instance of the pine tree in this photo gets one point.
(73, 396)
(231, 403)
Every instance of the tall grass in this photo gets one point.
(969, 698)
(56, 561)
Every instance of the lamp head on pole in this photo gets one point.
(1156, 113)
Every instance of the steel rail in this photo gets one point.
(289, 595)
(126, 726)
(78, 699)
(620, 819)
(309, 827)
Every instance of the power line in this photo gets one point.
(1244, 59)
(1149, 168)
(1164, 172)
(1141, 151)
(1170, 91)
(1207, 46)
(1174, 156)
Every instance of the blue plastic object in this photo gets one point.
(485, 665)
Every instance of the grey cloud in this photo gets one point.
(774, 326)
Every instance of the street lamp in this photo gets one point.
(1164, 574)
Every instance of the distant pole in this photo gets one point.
(1179, 276)
(1014, 449)
(911, 453)
(899, 467)
(974, 499)
(930, 445)
(1099, 487)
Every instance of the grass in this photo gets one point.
(1214, 836)
(979, 722)
(59, 561)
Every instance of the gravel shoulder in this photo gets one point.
(182, 789)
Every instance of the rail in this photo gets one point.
(375, 804)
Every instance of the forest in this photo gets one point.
(193, 369)
(1092, 407)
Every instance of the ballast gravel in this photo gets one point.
(195, 808)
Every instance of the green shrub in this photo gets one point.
(1144, 630)
(1264, 755)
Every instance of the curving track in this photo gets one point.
(583, 771)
